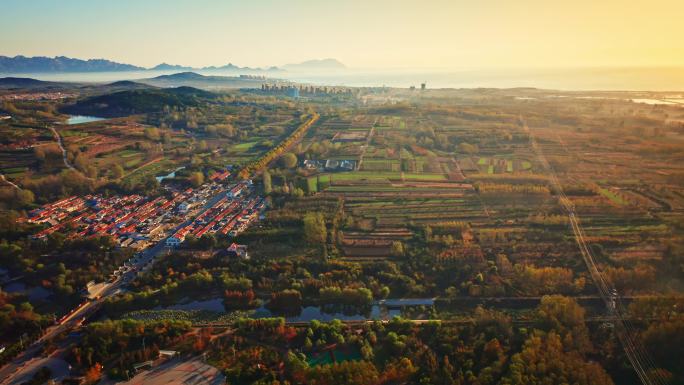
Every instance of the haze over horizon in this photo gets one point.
(384, 34)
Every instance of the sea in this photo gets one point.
(571, 79)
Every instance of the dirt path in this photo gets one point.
(58, 138)
(2, 178)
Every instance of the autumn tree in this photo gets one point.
(196, 179)
(117, 171)
(288, 160)
(544, 357)
(564, 316)
(315, 231)
(268, 187)
(93, 374)
(24, 197)
(397, 249)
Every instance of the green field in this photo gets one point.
(612, 196)
(312, 184)
(371, 175)
(129, 153)
(244, 146)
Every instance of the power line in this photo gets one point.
(636, 354)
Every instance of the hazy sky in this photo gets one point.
(452, 34)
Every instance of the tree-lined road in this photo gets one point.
(16, 369)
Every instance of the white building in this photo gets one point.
(183, 207)
(173, 242)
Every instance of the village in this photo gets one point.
(138, 222)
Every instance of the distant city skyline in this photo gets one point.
(361, 34)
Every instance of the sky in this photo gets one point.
(444, 34)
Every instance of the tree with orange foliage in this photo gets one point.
(93, 374)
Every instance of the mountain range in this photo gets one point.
(41, 64)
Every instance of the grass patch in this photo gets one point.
(612, 196)
(244, 146)
(378, 175)
(128, 153)
(312, 184)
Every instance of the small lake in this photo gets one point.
(172, 174)
(79, 119)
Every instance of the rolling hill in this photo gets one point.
(27, 83)
(193, 79)
(131, 102)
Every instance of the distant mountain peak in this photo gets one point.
(188, 75)
(41, 64)
(166, 67)
(316, 64)
(23, 64)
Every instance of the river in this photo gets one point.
(384, 309)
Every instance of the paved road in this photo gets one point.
(21, 365)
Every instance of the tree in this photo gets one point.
(152, 133)
(268, 187)
(24, 197)
(93, 374)
(288, 160)
(468, 148)
(665, 341)
(397, 249)
(117, 171)
(315, 231)
(543, 358)
(81, 162)
(39, 153)
(564, 316)
(196, 179)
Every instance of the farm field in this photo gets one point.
(456, 200)
(461, 182)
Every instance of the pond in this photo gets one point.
(79, 119)
(172, 174)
